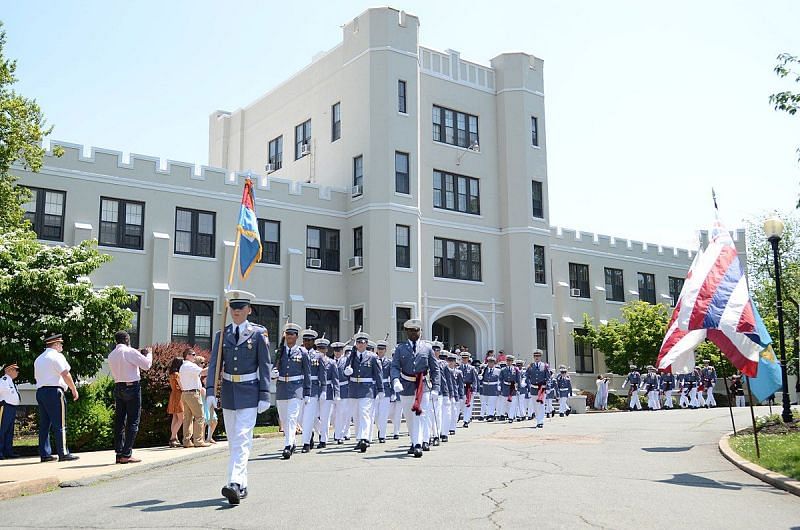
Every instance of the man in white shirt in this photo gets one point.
(125, 363)
(51, 371)
(9, 401)
(193, 421)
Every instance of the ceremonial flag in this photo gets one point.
(248, 239)
(677, 348)
(769, 379)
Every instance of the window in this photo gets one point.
(194, 232)
(538, 264)
(538, 199)
(401, 96)
(270, 232)
(647, 287)
(615, 287)
(401, 180)
(276, 153)
(541, 336)
(268, 316)
(456, 192)
(579, 279)
(302, 137)
(584, 360)
(133, 331)
(323, 321)
(358, 241)
(401, 315)
(191, 322)
(358, 171)
(121, 223)
(336, 122)
(454, 128)
(323, 244)
(534, 131)
(456, 259)
(402, 246)
(358, 319)
(45, 211)
(675, 287)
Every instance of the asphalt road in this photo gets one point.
(643, 470)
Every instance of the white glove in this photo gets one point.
(434, 394)
(337, 398)
(307, 400)
(275, 373)
(263, 406)
(323, 396)
(211, 401)
(397, 385)
(348, 371)
(523, 384)
(480, 378)
(380, 395)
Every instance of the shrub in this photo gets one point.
(90, 420)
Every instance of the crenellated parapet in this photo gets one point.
(569, 237)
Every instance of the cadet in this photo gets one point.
(411, 362)
(509, 379)
(634, 379)
(470, 385)
(382, 404)
(690, 383)
(331, 392)
(395, 407)
(538, 373)
(490, 381)
(319, 385)
(709, 374)
(549, 411)
(667, 386)
(652, 387)
(244, 391)
(293, 386)
(9, 401)
(364, 372)
(51, 371)
(341, 421)
(564, 389)
(698, 376)
(457, 397)
(447, 383)
(522, 399)
(680, 382)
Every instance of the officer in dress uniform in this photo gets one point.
(441, 409)
(470, 386)
(490, 381)
(331, 391)
(457, 398)
(413, 360)
(690, 381)
(395, 405)
(538, 373)
(667, 386)
(634, 379)
(509, 389)
(341, 420)
(244, 391)
(52, 373)
(709, 374)
(522, 397)
(364, 373)
(9, 401)
(382, 404)
(293, 386)
(651, 386)
(564, 389)
(319, 385)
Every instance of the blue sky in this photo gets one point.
(649, 104)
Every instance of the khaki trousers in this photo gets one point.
(192, 418)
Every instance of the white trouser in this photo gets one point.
(701, 402)
(653, 401)
(455, 407)
(342, 420)
(684, 399)
(415, 422)
(325, 416)
(289, 412)
(442, 415)
(693, 401)
(740, 401)
(538, 409)
(710, 401)
(634, 403)
(363, 416)
(239, 427)
(510, 408)
(382, 415)
(395, 414)
(466, 411)
(667, 399)
(428, 427)
(562, 405)
(548, 405)
(310, 416)
(488, 405)
(522, 408)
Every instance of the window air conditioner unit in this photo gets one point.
(357, 190)
(576, 293)
(270, 168)
(305, 150)
(356, 262)
(314, 263)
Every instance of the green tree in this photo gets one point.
(45, 288)
(635, 339)
(787, 100)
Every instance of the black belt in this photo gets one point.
(128, 383)
(194, 390)
(54, 386)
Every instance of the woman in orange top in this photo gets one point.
(175, 406)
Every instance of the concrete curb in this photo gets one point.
(27, 487)
(770, 477)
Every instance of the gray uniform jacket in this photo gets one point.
(709, 376)
(344, 382)
(490, 384)
(634, 379)
(407, 363)
(249, 359)
(366, 373)
(667, 382)
(509, 375)
(331, 379)
(459, 381)
(448, 380)
(318, 373)
(564, 385)
(538, 374)
(386, 376)
(650, 382)
(294, 373)
(470, 377)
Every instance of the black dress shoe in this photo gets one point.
(568, 411)
(466, 425)
(445, 438)
(435, 442)
(410, 450)
(243, 493)
(480, 418)
(294, 448)
(362, 446)
(452, 431)
(417, 451)
(396, 437)
(561, 414)
(381, 440)
(426, 446)
(339, 442)
(233, 493)
(287, 452)
(306, 448)
(50, 458)
(322, 445)
(68, 457)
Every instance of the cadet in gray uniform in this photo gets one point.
(364, 372)
(523, 395)
(470, 386)
(244, 390)
(667, 386)
(319, 385)
(709, 376)
(458, 391)
(342, 414)
(293, 386)
(538, 373)
(447, 388)
(509, 389)
(564, 389)
(635, 380)
(490, 388)
(652, 387)
(331, 392)
(411, 362)
(382, 404)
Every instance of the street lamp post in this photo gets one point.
(773, 228)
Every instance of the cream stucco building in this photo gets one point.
(393, 181)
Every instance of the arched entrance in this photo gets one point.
(459, 324)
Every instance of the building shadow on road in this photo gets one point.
(667, 449)
(696, 481)
(157, 505)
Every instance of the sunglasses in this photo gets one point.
(361, 341)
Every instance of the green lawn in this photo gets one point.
(779, 452)
(265, 429)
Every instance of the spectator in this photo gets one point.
(125, 363)
(51, 371)
(190, 374)
(175, 405)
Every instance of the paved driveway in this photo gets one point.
(620, 470)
